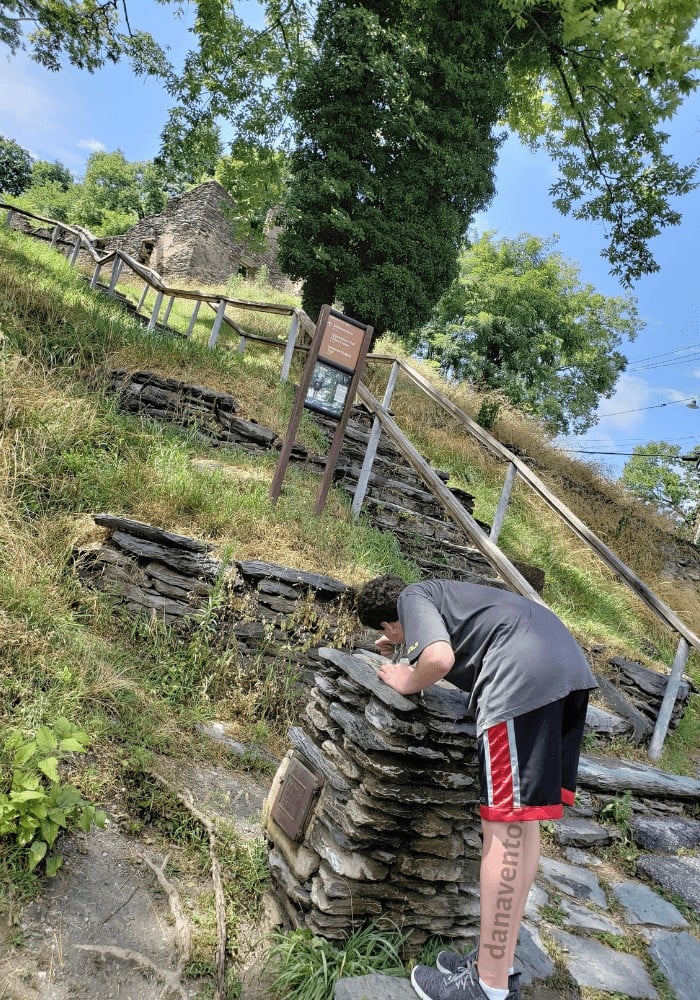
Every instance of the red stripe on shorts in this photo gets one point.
(500, 763)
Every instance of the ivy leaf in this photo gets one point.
(49, 767)
(46, 739)
(28, 795)
(71, 744)
(53, 864)
(49, 831)
(36, 853)
(24, 753)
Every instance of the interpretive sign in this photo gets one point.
(328, 390)
(341, 341)
(329, 381)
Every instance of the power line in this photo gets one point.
(627, 454)
(664, 364)
(666, 354)
(655, 406)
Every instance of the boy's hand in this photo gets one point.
(399, 676)
(384, 647)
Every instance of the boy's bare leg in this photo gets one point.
(510, 855)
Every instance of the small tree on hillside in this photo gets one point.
(115, 193)
(519, 321)
(15, 167)
(657, 476)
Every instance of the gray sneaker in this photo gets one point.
(450, 962)
(430, 984)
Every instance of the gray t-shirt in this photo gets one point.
(511, 654)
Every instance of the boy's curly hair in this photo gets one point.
(376, 600)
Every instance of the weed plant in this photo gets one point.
(308, 967)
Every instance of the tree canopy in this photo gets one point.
(592, 81)
(519, 321)
(85, 33)
(656, 475)
(395, 152)
(15, 167)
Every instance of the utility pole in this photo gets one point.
(695, 458)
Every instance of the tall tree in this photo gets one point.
(85, 33)
(44, 172)
(396, 149)
(519, 320)
(15, 167)
(656, 474)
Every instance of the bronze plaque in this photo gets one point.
(293, 802)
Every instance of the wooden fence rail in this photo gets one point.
(81, 239)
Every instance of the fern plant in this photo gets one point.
(35, 805)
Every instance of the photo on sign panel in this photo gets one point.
(328, 390)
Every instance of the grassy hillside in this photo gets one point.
(66, 452)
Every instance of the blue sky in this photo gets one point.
(69, 114)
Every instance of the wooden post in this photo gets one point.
(116, 271)
(144, 293)
(54, 235)
(217, 323)
(289, 349)
(337, 442)
(240, 349)
(663, 719)
(193, 318)
(154, 315)
(500, 514)
(76, 249)
(372, 445)
(168, 310)
(297, 411)
(96, 274)
(9, 217)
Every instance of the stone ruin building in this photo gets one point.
(194, 238)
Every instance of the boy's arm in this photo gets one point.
(432, 665)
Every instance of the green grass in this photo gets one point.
(306, 967)
(137, 687)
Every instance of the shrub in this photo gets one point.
(35, 806)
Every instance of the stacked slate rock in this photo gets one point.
(149, 570)
(394, 834)
(645, 689)
(397, 501)
(212, 413)
(271, 614)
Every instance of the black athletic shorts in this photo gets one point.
(528, 765)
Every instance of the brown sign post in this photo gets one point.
(329, 382)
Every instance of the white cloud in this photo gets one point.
(92, 145)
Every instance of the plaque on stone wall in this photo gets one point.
(295, 797)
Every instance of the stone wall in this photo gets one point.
(194, 238)
(396, 499)
(267, 612)
(394, 833)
